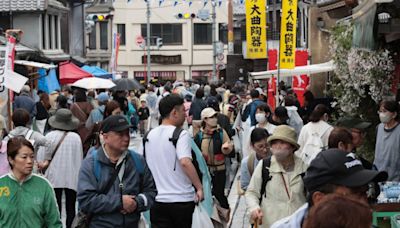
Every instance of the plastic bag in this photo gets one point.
(201, 218)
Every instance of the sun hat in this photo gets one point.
(284, 133)
(207, 113)
(334, 166)
(115, 123)
(63, 119)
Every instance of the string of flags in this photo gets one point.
(189, 2)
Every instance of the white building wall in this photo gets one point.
(133, 14)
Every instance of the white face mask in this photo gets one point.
(280, 154)
(385, 117)
(260, 117)
(212, 122)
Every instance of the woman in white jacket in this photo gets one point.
(314, 135)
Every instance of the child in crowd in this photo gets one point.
(143, 113)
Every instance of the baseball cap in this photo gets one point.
(350, 122)
(207, 113)
(103, 96)
(115, 123)
(334, 166)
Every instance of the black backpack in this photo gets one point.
(174, 140)
(266, 163)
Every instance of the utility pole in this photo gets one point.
(230, 28)
(214, 41)
(148, 42)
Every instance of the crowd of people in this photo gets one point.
(298, 168)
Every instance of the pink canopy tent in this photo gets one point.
(69, 73)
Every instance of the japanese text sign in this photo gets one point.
(288, 34)
(256, 34)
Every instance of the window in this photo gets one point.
(50, 31)
(202, 33)
(50, 22)
(104, 65)
(170, 33)
(56, 31)
(92, 38)
(223, 33)
(121, 32)
(103, 35)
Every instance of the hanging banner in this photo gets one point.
(288, 34)
(300, 82)
(272, 65)
(256, 34)
(10, 53)
(114, 53)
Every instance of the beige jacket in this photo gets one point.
(276, 203)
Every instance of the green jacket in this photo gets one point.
(28, 204)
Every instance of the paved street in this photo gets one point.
(239, 218)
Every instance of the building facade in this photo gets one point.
(187, 50)
(53, 27)
(99, 25)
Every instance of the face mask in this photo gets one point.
(213, 122)
(260, 117)
(280, 154)
(385, 117)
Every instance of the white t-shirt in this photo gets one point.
(162, 158)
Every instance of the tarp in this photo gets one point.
(69, 73)
(97, 71)
(309, 69)
(48, 83)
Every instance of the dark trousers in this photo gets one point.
(171, 215)
(70, 198)
(218, 179)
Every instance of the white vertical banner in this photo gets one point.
(114, 53)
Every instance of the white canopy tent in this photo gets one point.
(300, 70)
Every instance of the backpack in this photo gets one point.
(199, 138)
(27, 136)
(250, 163)
(97, 166)
(312, 147)
(266, 163)
(174, 140)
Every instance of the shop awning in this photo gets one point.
(97, 71)
(309, 69)
(69, 73)
(35, 64)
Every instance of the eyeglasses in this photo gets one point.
(261, 146)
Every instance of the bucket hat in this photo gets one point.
(64, 120)
(284, 133)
